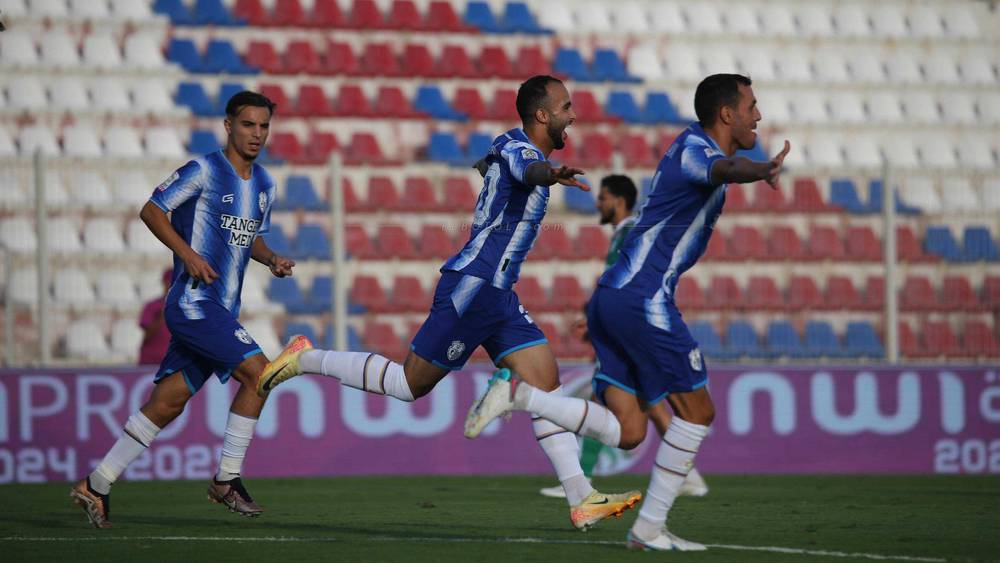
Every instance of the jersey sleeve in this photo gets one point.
(519, 155)
(187, 182)
(696, 164)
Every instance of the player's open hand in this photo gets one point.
(199, 270)
(774, 170)
(567, 177)
(281, 266)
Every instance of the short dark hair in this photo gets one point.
(246, 98)
(620, 185)
(531, 94)
(716, 92)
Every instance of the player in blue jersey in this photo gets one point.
(218, 205)
(475, 305)
(645, 351)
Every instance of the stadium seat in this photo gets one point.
(644, 62)
(434, 243)
(319, 147)
(517, 18)
(723, 293)
(184, 53)
(19, 49)
(364, 14)
(767, 199)
(631, 17)
(741, 340)
(176, 10)
(441, 16)
(17, 233)
(454, 62)
(783, 341)
(875, 196)
(311, 242)
(101, 52)
(300, 57)
(844, 194)
(72, 288)
(689, 295)
(480, 16)
(567, 294)
(82, 142)
(417, 60)
(569, 63)
(825, 244)
(917, 294)
(277, 240)
(285, 145)
(784, 244)
(458, 195)
(394, 242)
(142, 51)
(364, 149)
(214, 12)
(254, 13)
(493, 63)
(367, 292)
(979, 341)
(579, 201)
(382, 194)
(477, 146)
(85, 341)
(304, 329)
(747, 243)
(718, 247)
(863, 245)
(403, 15)
(312, 102)
(286, 292)
(553, 244)
(919, 192)
(28, 93)
(708, 340)
(596, 151)
(378, 59)
(58, 50)
(468, 101)
(89, 190)
(804, 294)
(325, 14)
(861, 341)
(352, 102)
(840, 294)
(418, 196)
(408, 295)
(300, 194)
(622, 105)
(806, 197)
(820, 341)
(763, 295)
(978, 244)
(221, 57)
(957, 295)
(961, 197)
(502, 106)
(531, 293)
(359, 244)
(430, 100)
(339, 59)
(939, 339)
(443, 147)
(939, 241)
(115, 288)
(609, 67)
(908, 248)
(873, 296)
(587, 107)
(591, 241)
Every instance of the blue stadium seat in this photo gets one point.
(940, 242)
(978, 245)
(861, 341)
(175, 10)
(708, 340)
(300, 194)
(305, 329)
(221, 57)
(742, 340)
(192, 95)
(844, 194)
(227, 90)
(569, 62)
(443, 147)
(277, 240)
(608, 66)
(782, 340)
(659, 109)
(185, 53)
(580, 201)
(622, 104)
(320, 297)
(286, 292)
(214, 12)
(875, 200)
(430, 100)
(821, 341)
(311, 242)
(477, 146)
(202, 142)
(353, 340)
(517, 18)
(479, 15)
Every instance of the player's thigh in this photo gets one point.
(421, 375)
(627, 408)
(248, 371)
(693, 406)
(536, 365)
(167, 400)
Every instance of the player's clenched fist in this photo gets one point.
(199, 269)
(280, 266)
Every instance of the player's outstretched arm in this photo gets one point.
(279, 265)
(157, 221)
(740, 170)
(541, 174)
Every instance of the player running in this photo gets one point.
(475, 305)
(644, 348)
(218, 206)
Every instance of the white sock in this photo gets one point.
(362, 370)
(579, 416)
(674, 460)
(239, 432)
(563, 451)
(139, 434)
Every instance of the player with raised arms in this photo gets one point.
(644, 348)
(474, 303)
(219, 204)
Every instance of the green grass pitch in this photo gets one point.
(493, 518)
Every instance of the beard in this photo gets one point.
(556, 135)
(607, 217)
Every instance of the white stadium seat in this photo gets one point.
(7, 146)
(825, 151)
(741, 19)
(103, 236)
(797, 156)
(919, 191)
(958, 195)
(681, 63)
(975, 151)
(631, 17)
(142, 241)
(555, 15)
(59, 50)
(975, 67)
(852, 20)
(122, 142)
(85, 341)
(937, 151)
(777, 20)
(63, 236)
(100, 51)
(867, 66)
(18, 49)
(53, 9)
(142, 52)
(15, 8)
(131, 188)
(667, 18)
(900, 152)
(884, 107)
(921, 107)
(888, 21)
(115, 288)
(26, 93)
(18, 234)
(89, 189)
(958, 107)
(263, 333)
(163, 142)
(69, 94)
(940, 68)
(12, 193)
(71, 287)
(254, 297)
(847, 107)
(793, 66)
(151, 96)
(81, 141)
(702, 18)
(37, 138)
(593, 16)
(644, 62)
(89, 9)
(24, 286)
(988, 106)
(130, 10)
(126, 338)
(925, 21)
(717, 59)
(861, 150)
(814, 19)
(757, 63)
(110, 95)
(149, 282)
(774, 108)
(809, 107)
(903, 68)
(959, 21)
(831, 66)
(989, 194)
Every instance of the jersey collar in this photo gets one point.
(697, 130)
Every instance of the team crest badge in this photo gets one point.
(455, 350)
(695, 358)
(261, 201)
(242, 335)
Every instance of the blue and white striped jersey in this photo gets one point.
(674, 224)
(219, 214)
(508, 214)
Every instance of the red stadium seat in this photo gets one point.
(783, 243)
(825, 244)
(339, 59)
(567, 295)
(763, 295)
(352, 204)
(418, 195)
(392, 102)
(377, 59)
(326, 14)
(553, 243)
(408, 295)
(264, 56)
(840, 295)
(767, 199)
(531, 294)
(381, 338)
(736, 199)
(301, 58)
(909, 345)
(747, 243)
(468, 101)
(940, 340)
(863, 245)
(288, 13)
(978, 341)
(458, 195)
(803, 294)
(364, 149)
(591, 243)
(368, 293)
(806, 197)
(596, 150)
(254, 12)
(493, 63)
(991, 293)
(588, 109)
(718, 247)
(403, 15)
(417, 60)
(358, 243)
(873, 297)
(917, 294)
(724, 293)
(351, 102)
(638, 154)
(364, 15)
(908, 248)
(312, 102)
(395, 242)
(319, 146)
(957, 295)
(556, 340)
(502, 106)
(567, 154)
(530, 61)
(276, 94)
(286, 146)
(663, 143)
(382, 194)
(441, 16)
(455, 63)
(689, 295)
(435, 243)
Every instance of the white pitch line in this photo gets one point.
(299, 539)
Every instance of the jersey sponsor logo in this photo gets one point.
(228, 198)
(166, 183)
(455, 350)
(241, 230)
(242, 335)
(262, 201)
(528, 154)
(695, 358)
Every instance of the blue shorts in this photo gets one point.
(645, 359)
(468, 312)
(215, 344)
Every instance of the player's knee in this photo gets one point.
(632, 437)
(419, 389)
